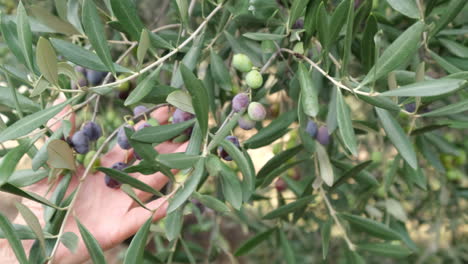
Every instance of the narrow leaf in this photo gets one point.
(94, 249)
(33, 223)
(159, 134)
(220, 72)
(385, 249)
(326, 170)
(24, 35)
(136, 249)
(372, 227)
(398, 137)
(95, 32)
(60, 155)
(144, 87)
(289, 208)
(125, 178)
(308, 91)
(13, 239)
(428, 88)
(47, 60)
(251, 243)
(406, 7)
(345, 123)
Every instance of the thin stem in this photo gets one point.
(165, 27)
(335, 82)
(351, 246)
(167, 56)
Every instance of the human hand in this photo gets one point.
(109, 214)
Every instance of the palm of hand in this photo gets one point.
(109, 214)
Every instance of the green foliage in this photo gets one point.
(384, 81)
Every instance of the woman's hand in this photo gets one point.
(109, 214)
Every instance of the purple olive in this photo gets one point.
(112, 183)
(240, 102)
(323, 137)
(256, 111)
(311, 128)
(80, 142)
(92, 131)
(95, 77)
(138, 110)
(223, 153)
(411, 107)
(281, 185)
(122, 139)
(245, 122)
(180, 116)
(299, 24)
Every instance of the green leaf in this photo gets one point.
(381, 102)
(144, 87)
(143, 46)
(263, 36)
(189, 186)
(288, 252)
(33, 223)
(29, 123)
(289, 208)
(371, 227)
(10, 160)
(24, 35)
(47, 60)
(55, 23)
(231, 187)
(455, 48)
(338, 20)
(446, 65)
(239, 45)
(136, 249)
(159, 134)
(10, 36)
(179, 161)
(322, 24)
(397, 53)
(190, 60)
(326, 170)
(279, 158)
(126, 12)
(348, 38)
(23, 178)
(81, 56)
(427, 88)
(41, 156)
(26, 104)
(251, 243)
(350, 173)
(385, 249)
(398, 137)
(297, 9)
(125, 178)
(182, 6)
(60, 155)
(199, 97)
(70, 241)
(9, 188)
(181, 100)
(406, 7)
(129, 191)
(173, 224)
(94, 249)
(248, 183)
(325, 231)
(220, 72)
(450, 109)
(367, 42)
(345, 123)
(95, 32)
(13, 239)
(211, 202)
(276, 129)
(448, 15)
(57, 196)
(309, 93)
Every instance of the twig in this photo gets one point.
(335, 82)
(351, 246)
(165, 27)
(167, 56)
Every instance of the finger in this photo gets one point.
(162, 114)
(136, 217)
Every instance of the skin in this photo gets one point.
(109, 214)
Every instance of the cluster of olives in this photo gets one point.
(88, 77)
(81, 141)
(321, 134)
